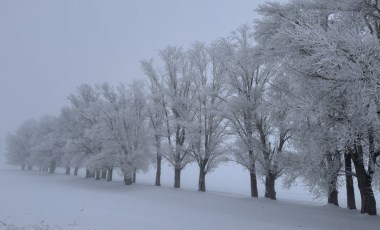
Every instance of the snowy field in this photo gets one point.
(30, 199)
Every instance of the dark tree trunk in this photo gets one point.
(368, 202)
(270, 191)
(104, 173)
(333, 197)
(177, 178)
(134, 177)
(89, 173)
(23, 167)
(30, 167)
(109, 174)
(52, 167)
(76, 171)
(202, 179)
(351, 204)
(252, 174)
(68, 169)
(127, 179)
(97, 174)
(254, 192)
(158, 171)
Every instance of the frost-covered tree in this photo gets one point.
(247, 84)
(84, 116)
(122, 129)
(19, 145)
(330, 50)
(156, 113)
(176, 89)
(48, 144)
(207, 131)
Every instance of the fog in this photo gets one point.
(48, 48)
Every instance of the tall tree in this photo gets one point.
(177, 91)
(322, 44)
(207, 132)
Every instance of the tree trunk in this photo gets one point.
(351, 204)
(177, 178)
(158, 171)
(104, 174)
(30, 167)
(368, 202)
(52, 167)
(23, 167)
(134, 177)
(270, 191)
(109, 174)
(127, 179)
(97, 174)
(68, 169)
(202, 180)
(76, 171)
(333, 197)
(252, 174)
(89, 173)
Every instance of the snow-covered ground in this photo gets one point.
(68, 202)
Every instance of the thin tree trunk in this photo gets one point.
(177, 177)
(202, 179)
(253, 179)
(270, 191)
(30, 167)
(158, 171)
(68, 169)
(109, 174)
(76, 171)
(134, 175)
(23, 167)
(351, 204)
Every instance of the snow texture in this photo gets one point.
(35, 200)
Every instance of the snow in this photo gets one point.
(68, 202)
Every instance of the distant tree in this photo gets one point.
(19, 145)
(123, 130)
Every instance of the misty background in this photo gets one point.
(48, 48)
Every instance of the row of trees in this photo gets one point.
(296, 95)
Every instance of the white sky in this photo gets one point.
(49, 47)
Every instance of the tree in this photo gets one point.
(122, 129)
(247, 84)
(19, 145)
(82, 117)
(47, 147)
(156, 113)
(176, 89)
(322, 45)
(207, 131)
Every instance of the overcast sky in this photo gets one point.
(48, 47)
